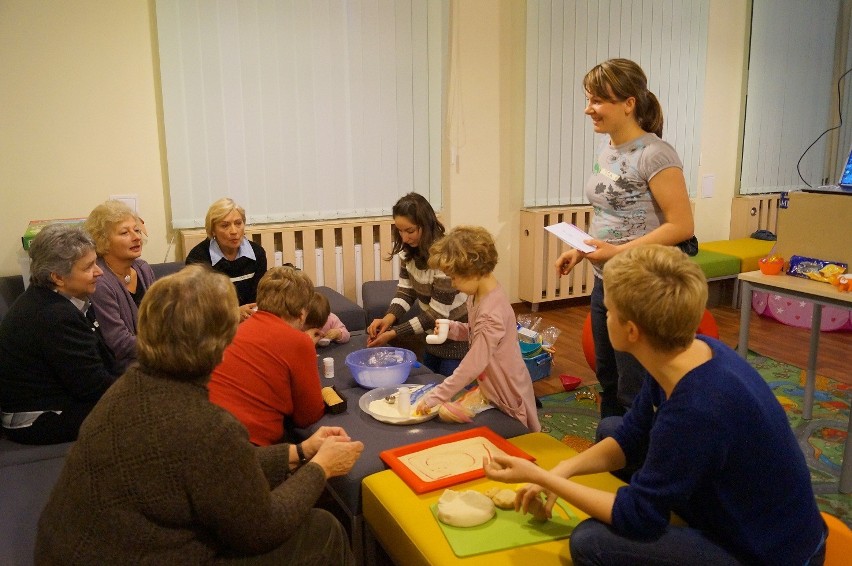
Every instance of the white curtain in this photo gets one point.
(566, 38)
(844, 136)
(301, 109)
(790, 90)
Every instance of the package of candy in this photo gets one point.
(815, 269)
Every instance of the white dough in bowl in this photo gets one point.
(464, 508)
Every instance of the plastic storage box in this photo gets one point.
(539, 366)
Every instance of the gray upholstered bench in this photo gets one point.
(10, 287)
(350, 314)
(377, 296)
(27, 476)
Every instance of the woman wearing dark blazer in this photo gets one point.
(54, 363)
(229, 251)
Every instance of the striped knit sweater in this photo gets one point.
(437, 298)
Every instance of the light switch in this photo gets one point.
(707, 186)
(129, 200)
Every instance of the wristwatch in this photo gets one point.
(301, 454)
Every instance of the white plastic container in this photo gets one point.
(443, 325)
(328, 367)
(403, 402)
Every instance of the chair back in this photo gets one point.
(838, 546)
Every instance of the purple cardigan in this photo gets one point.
(117, 313)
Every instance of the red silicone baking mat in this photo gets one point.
(393, 457)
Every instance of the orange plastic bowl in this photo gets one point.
(770, 266)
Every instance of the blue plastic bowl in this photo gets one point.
(380, 367)
(529, 348)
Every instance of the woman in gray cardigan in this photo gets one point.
(117, 233)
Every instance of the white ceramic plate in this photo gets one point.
(381, 393)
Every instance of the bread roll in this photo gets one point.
(502, 498)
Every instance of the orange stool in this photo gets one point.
(707, 326)
(838, 545)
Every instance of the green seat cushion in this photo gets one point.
(714, 264)
(749, 250)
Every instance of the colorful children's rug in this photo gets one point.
(573, 418)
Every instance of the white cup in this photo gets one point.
(328, 367)
(443, 325)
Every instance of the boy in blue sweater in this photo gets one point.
(718, 449)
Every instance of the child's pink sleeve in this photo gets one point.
(335, 322)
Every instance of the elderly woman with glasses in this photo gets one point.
(160, 475)
(228, 251)
(54, 363)
(118, 236)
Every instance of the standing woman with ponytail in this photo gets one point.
(639, 197)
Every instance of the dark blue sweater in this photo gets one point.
(720, 454)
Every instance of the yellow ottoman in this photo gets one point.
(402, 522)
(748, 250)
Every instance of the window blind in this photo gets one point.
(301, 110)
(844, 143)
(790, 89)
(566, 38)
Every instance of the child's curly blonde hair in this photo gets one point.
(467, 251)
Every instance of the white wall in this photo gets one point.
(722, 119)
(80, 122)
(79, 119)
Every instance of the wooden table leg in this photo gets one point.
(745, 319)
(810, 375)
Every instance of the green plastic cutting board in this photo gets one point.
(508, 529)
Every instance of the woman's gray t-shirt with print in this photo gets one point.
(618, 189)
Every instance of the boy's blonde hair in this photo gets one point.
(659, 289)
(467, 251)
(285, 292)
(219, 210)
(185, 322)
(318, 311)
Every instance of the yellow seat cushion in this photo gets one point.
(402, 522)
(749, 250)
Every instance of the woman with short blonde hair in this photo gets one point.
(117, 232)
(160, 475)
(229, 251)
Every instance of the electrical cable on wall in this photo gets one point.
(169, 246)
(839, 114)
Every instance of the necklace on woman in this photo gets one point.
(126, 278)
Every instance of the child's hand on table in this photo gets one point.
(333, 334)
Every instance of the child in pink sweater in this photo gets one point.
(468, 256)
(323, 325)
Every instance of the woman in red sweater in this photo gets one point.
(271, 362)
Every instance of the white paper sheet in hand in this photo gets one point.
(571, 235)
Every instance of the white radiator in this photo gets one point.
(330, 252)
(750, 213)
(538, 280)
